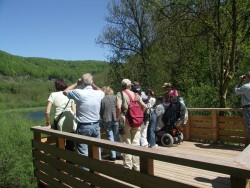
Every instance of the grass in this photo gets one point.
(16, 166)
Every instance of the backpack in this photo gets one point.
(134, 115)
(171, 96)
(172, 109)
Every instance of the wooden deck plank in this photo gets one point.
(193, 176)
(206, 149)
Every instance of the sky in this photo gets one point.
(56, 29)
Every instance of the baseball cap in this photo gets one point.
(126, 82)
(167, 85)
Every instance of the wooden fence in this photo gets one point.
(223, 125)
(52, 170)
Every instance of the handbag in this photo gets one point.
(55, 123)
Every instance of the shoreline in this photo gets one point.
(29, 109)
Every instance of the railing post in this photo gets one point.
(187, 137)
(238, 182)
(93, 152)
(60, 143)
(147, 166)
(37, 137)
(215, 126)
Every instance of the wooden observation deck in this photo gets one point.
(208, 161)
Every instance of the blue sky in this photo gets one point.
(57, 29)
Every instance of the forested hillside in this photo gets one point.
(27, 82)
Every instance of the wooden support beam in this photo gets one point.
(60, 143)
(147, 166)
(37, 136)
(94, 154)
(215, 126)
(239, 182)
(187, 127)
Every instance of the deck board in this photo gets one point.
(193, 176)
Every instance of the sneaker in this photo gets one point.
(112, 159)
(154, 146)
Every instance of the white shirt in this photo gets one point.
(151, 102)
(66, 121)
(59, 100)
(244, 91)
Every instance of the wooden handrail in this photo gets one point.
(49, 160)
(215, 109)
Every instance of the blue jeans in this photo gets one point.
(151, 130)
(112, 131)
(87, 130)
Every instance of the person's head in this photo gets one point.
(136, 87)
(107, 90)
(150, 93)
(126, 84)
(167, 86)
(159, 100)
(87, 79)
(60, 85)
(247, 77)
(135, 83)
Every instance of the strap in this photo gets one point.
(129, 96)
(63, 111)
(122, 102)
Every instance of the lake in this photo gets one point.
(39, 115)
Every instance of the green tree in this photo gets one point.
(130, 32)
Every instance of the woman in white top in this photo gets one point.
(147, 116)
(59, 100)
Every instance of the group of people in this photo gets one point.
(84, 108)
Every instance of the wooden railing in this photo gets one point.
(223, 125)
(57, 167)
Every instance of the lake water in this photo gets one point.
(35, 115)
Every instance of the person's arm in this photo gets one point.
(47, 113)
(241, 78)
(95, 87)
(241, 90)
(73, 86)
(118, 106)
(102, 109)
(183, 111)
(142, 104)
(73, 107)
